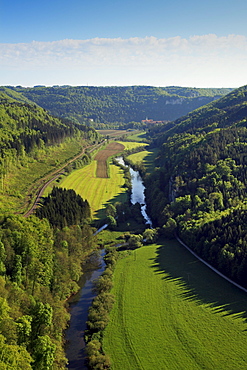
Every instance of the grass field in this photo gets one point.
(98, 191)
(147, 157)
(172, 312)
(139, 136)
(131, 144)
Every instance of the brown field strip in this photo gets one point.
(102, 156)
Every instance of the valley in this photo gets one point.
(156, 305)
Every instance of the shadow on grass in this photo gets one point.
(130, 225)
(197, 282)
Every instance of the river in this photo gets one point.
(79, 305)
(137, 191)
(93, 268)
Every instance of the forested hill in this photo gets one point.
(228, 110)
(199, 188)
(40, 260)
(118, 104)
(27, 128)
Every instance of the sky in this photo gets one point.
(119, 43)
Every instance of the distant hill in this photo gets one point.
(228, 110)
(118, 104)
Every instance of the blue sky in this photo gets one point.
(96, 42)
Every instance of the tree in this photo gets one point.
(24, 329)
(135, 241)
(150, 235)
(14, 357)
(111, 222)
(111, 210)
(169, 228)
(43, 353)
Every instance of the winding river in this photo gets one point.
(79, 305)
(92, 269)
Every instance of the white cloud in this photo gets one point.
(199, 59)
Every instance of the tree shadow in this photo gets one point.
(197, 282)
(100, 214)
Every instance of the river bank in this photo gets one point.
(75, 349)
(78, 309)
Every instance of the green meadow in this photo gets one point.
(139, 136)
(98, 191)
(131, 144)
(146, 157)
(172, 312)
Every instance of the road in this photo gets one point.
(211, 267)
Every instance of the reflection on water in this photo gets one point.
(137, 191)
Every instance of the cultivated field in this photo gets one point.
(172, 312)
(113, 133)
(103, 155)
(98, 191)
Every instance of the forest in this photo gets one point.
(40, 258)
(113, 106)
(199, 187)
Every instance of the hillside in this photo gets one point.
(119, 104)
(228, 110)
(39, 263)
(28, 134)
(199, 188)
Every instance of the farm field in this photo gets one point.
(103, 155)
(98, 191)
(113, 133)
(172, 312)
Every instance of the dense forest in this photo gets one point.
(199, 187)
(40, 260)
(113, 106)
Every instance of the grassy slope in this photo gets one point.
(19, 183)
(172, 312)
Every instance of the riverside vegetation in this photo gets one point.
(195, 187)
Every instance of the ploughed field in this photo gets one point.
(102, 157)
(172, 312)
